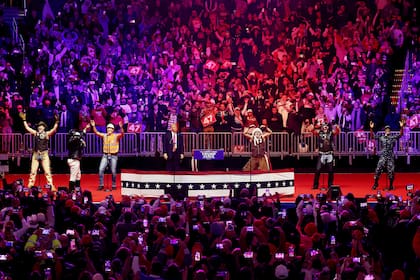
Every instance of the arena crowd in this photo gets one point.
(210, 66)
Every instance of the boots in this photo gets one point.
(375, 184)
(71, 186)
(391, 185)
(77, 186)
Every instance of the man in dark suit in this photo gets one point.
(66, 120)
(173, 148)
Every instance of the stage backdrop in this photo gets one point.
(210, 184)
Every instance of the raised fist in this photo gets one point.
(22, 115)
(402, 123)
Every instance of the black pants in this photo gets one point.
(329, 168)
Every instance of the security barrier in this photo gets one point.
(280, 144)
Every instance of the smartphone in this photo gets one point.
(250, 229)
(47, 272)
(291, 251)
(38, 253)
(363, 204)
(45, 231)
(197, 256)
(356, 259)
(140, 239)
(73, 244)
(108, 266)
(279, 256)
(332, 240)
(70, 232)
(249, 255)
(174, 241)
(314, 253)
(145, 223)
(73, 196)
(95, 232)
(219, 246)
(162, 220)
(9, 243)
(3, 257)
(85, 199)
(50, 255)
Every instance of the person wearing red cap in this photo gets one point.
(40, 150)
(386, 159)
(111, 147)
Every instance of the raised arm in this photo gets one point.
(371, 126)
(121, 130)
(32, 131)
(267, 132)
(402, 125)
(92, 124)
(54, 128)
(247, 134)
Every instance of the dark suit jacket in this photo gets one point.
(168, 145)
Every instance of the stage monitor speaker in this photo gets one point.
(334, 192)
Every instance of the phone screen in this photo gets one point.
(107, 266)
(73, 244)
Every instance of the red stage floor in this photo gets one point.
(357, 183)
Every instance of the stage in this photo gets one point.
(357, 183)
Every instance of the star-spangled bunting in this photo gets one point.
(207, 186)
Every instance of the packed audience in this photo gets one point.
(235, 237)
(210, 65)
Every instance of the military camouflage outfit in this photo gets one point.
(386, 159)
